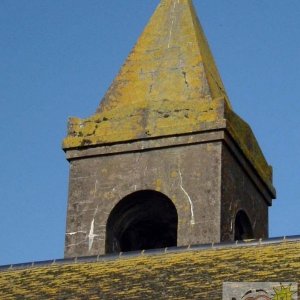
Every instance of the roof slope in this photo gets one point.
(193, 274)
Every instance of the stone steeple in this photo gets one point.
(165, 161)
(170, 75)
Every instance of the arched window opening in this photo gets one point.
(243, 229)
(142, 220)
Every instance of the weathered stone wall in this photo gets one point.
(188, 175)
(239, 192)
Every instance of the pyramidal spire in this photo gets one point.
(171, 61)
(169, 84)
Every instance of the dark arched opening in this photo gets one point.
(242, 229)
(142, 220)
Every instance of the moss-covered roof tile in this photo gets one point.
(189, 274)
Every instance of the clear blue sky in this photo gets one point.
(58, 57)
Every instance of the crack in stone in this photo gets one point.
(75, 232)
(173, 17)
(185, 81)
(189, 199)
(91, 235)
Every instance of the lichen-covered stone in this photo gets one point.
(167, 85)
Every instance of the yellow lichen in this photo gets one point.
(181, 275)
(174, 174)
(158, 184)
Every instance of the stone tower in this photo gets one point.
(165, 161)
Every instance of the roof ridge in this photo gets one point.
(130, 254)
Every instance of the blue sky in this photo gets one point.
(58, 57)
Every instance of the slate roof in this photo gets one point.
(195, 272)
